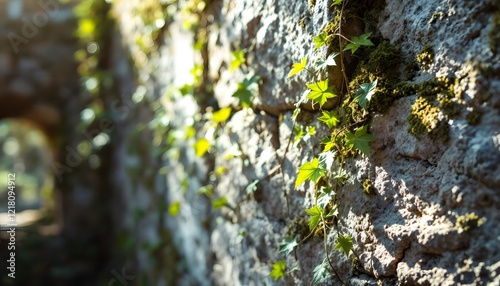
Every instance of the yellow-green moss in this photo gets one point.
(436, 16)
(494, 34)
(424, 118)
(426, 57)
(469, 221)
(312, 3)
(368, 187)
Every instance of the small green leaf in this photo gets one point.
(221, 115)
(336, 2)
(329, 143)
(315, 213)
(329, 61)
(344, 243)
(298, 133)
(320, 272)
(252, 187)
(310, 131)
(298, 67)
(174, 208)
(201, 147)
(330, 118)
(320, 92)
(359, 140)
(219, 203)
(287, 245)
(279, 270)
(334, 212)
(325, 196)
(296, 112)
(326, 159)
(320, 40)
(357, 42)
(310, 171)
(246, 90)
(238, 60)
(365, 93)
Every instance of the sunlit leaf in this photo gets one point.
(330, 118)
(329, 61)
(238, 60)
(298, 67)
(174, 208)
(320, 272)
(279, 270)
(320, 92)
(219, 203)
(320, 40)
(252, 187)
(310, 171)
(201, 147)
(221, 115)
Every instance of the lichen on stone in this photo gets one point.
(426, 57)
(368, 187)
(425, 118)
(469, 221)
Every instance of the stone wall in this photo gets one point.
(416, 227)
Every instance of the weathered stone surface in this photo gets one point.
(406, 233)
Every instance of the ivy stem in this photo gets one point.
(325, 243)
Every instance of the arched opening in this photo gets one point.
(25, 159)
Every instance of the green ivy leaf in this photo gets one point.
(344, 243)
(329, 143)
(310, 171)
(320, 40)
(219, 203)
(320, 272)
(252, 187)
(325, 197)
(296, 112)
(201, 147)
(336, 2)
(357, 42)
(334, 212)
(315, 213)
(365, 93)
(238, 60)
(298, 67)
(246, 90)
(298, 133)
(359, 140)
(279, 270)
(320, 92)
(287, 245)
(221, 115)
(330, 118)
(326, 159)
(310, 131)
(174, 208)
(329, 61)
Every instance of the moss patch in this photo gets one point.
(424, 118)
(426, 57)
(469, 221)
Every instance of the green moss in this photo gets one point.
(368, 187)
(424, 118)
(469, 221)
(426, 57)
(494, 34)
(382, 63)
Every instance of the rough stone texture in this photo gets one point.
(404, 234)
